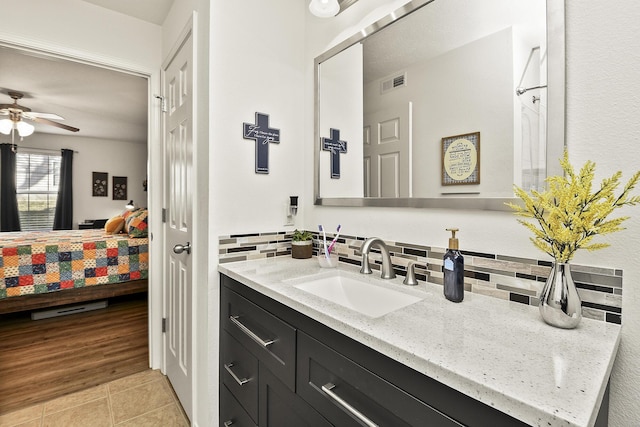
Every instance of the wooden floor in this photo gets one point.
(48, 358)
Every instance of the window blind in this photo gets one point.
(37, 180)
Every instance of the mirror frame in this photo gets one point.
(556, 72)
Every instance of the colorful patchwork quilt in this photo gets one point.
(48, 261)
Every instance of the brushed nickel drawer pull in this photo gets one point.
(250, 333)
(242, 381)
(327, 388)
(228, 423)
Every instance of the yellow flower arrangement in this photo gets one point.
(569, 215)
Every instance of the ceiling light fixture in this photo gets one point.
(324, 8)
(9, 125)
(24, 128)
(6, 126)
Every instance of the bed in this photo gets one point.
(53, 268)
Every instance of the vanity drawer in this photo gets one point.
(231, 412)
(270, 339)
(280, 407)
(343, 391)
(239, 372)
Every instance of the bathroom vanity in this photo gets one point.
(291, 357)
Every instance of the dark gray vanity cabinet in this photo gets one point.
(311, 375)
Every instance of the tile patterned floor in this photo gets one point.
(139, 400)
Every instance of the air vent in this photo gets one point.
(394, 82)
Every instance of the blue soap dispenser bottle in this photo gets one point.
(453, 269)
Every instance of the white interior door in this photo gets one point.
(178, 140)
(387, 152)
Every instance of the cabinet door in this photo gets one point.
(270, 339)
(349, 395)
(239, 372)
(231, 412)
(280, 407)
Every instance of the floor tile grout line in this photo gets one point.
(44, 413)
(142, 415)
(158, 382)
(147, 381)
(110, 405)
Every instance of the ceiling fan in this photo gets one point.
(17, 113)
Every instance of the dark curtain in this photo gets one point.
(63, 218)
(9, 216)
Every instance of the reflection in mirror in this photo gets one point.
(402, 95)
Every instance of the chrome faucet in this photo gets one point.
(387, 268)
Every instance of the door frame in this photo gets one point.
(154, 169)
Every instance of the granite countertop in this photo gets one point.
(498, 352)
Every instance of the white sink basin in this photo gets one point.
(359, 295)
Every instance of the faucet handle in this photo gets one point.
(410, 278)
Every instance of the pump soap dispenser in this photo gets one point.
(453, 270)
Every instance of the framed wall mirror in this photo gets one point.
(442, 104)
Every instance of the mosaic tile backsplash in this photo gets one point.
(500, 276)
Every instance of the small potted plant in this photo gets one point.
(301, 244)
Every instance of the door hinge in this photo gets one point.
(164, 215)
(164, 325)
(163, 102)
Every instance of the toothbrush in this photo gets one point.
(335, 239)
(324, 241)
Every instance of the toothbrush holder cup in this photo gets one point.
(327, 262)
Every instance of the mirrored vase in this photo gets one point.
(560, 304)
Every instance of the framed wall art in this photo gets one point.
(100, 184)
(461, 159)
(120, 188)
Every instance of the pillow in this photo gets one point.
(136, 224)
(126, 214)
(114, 225)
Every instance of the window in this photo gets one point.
(37, 179)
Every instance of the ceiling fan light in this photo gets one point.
(5, 126)
(24, 128)
(324, 8)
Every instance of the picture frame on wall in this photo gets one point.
(461, 159)
(120, 188)
(100, 184)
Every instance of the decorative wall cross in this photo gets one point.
(263, 135)
(336, 147)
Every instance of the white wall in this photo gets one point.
(118, 158)
(78, 27)
(603, 106)
(256, 64)
(602, 125)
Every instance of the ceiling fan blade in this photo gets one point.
(56, 124)
(32, 115)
